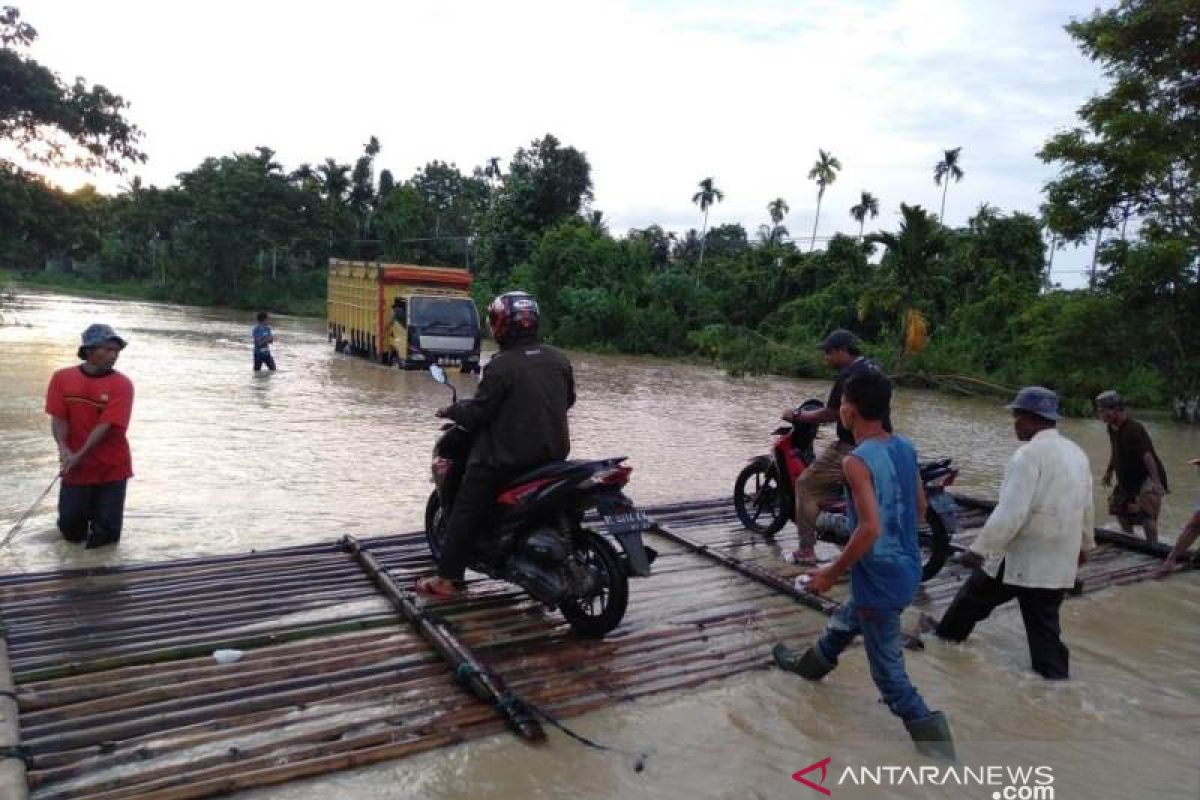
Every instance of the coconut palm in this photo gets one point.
(705, 198)
(774, 233)
(908, 265)
(868, 206)
(824, 171)
(943, 172)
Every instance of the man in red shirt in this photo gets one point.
(89, 407)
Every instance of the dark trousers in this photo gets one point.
(473, 506)
(1039, 608)
(263, 357)
(91, 513)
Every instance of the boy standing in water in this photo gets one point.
(262, 343)
(884, 561)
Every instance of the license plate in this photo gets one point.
(626, 522)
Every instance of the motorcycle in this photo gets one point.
(537, 539)
(764, 495)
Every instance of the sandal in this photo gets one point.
(435, 587)
(802, 559)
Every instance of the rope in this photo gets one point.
(9, 694)
(19, 751)
(512, 704)
(13, 531)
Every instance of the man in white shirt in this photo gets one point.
(1036, 537)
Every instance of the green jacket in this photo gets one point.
(520, 409)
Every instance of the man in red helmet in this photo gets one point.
(519, 415)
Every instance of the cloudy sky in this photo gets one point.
(657, 94)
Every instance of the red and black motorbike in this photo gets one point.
(764, 495)
(537, 539)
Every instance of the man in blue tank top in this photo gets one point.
(883, 559)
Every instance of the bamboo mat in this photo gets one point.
(120, 695)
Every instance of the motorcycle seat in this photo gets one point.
(556, 468)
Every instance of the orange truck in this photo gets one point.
(403, 314)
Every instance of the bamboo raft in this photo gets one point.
(120, 695)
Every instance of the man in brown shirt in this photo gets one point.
(1141, 479)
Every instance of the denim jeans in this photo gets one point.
(880, 630)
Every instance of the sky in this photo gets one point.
(658, 95)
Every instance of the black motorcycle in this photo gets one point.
(537, 539)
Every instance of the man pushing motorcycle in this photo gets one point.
(824, 475)
(520, 415)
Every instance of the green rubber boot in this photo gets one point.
(811, 665)
(932, 736)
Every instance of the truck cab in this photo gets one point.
(435, 329)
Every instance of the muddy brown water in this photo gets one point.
(228, 460)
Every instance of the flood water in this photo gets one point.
(229, 460)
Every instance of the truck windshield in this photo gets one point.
(444, 315)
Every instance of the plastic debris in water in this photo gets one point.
(227, 656)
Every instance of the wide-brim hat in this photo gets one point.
(96, 335)
(1036, 400)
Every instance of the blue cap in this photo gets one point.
(96, 335)
(1036, 400)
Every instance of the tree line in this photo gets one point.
(934, 302)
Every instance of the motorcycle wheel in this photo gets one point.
(935, 545)
(758, 499)
(435, 525)
(595, 616)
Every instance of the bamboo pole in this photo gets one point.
(813, 601)
(474, 674)
(194, 681)
(46, 669)
(12, 769)
(424, 685)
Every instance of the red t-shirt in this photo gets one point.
(85, 401)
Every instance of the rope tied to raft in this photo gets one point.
(514, 704)
(28, 513)
(20, 752)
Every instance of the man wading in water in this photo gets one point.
(89, 407)
(1141, 478)
(883, 559)
(1041, 528)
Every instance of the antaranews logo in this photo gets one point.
(822, 765)
(1006, 782)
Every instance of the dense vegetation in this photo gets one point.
(242, 230)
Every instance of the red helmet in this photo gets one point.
(513, 314)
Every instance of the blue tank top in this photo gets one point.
(888, 575)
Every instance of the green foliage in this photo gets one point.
(1135, 154)
(55, 123)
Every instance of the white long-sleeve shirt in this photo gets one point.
(1045, 514)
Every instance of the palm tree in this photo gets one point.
(911, 253)
(868, 205)
(595, 221)
(704, 198)
(943, 172)
(773, 233)
(492, 172)
(824, 172)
